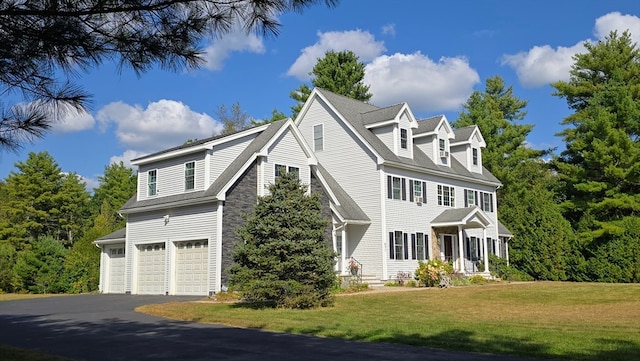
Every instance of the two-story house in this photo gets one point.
(396, 189)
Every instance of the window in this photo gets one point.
(470, 198)
(474, 249)
(486, 201)
(441, 144)
(475, 155)
(295, 170)
(446, 196)
(318, 137)
(151, 182)
(189, 175)
(396, 188)
(419, 241)
(403, 138)
(417, 191)
(280, 170)
(398, 245)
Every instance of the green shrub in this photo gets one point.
(499, 268)
(477, 280)
(412, 283)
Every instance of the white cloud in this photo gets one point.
(161, 125)
(389, 29)
(221, 48)
(362, 43)
(616, 21)
(426, 85)
(74, 122)
(544, 64)
(126, 157)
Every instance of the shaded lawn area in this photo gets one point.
(16, 354)
(576, 321)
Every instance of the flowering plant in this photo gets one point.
(353, 266)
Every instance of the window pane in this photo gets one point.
(420, 245)
(397, 188)
(295, 170)
(441, 144)
(151, 182)
(398, 243)
(403, 138)
(189, 175)
(417, 190)
(318, 137)
(280, 170)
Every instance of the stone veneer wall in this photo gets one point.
(325, 209)
(240, 200)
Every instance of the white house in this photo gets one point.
(396, 189)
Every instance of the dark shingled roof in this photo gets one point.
(464, 133)
(355, 112)
(348, 208)
(428, 125)
(117, 235)
(503, 231)
(381, 114)
(454, 215)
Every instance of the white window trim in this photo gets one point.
(193, 176)
(315, 145)
(155, 183)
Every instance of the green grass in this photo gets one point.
(20, 296)
(576, 321)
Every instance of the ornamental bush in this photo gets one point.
(428, 273)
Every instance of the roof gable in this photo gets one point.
(466, 135)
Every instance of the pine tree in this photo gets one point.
(339, 72)
(117, 185)
(284, 259)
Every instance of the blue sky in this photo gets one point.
(430, 54)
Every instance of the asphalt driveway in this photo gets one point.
(106, 327)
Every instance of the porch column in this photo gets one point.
(486, 249)
(343, 252)
(460, 249)
(335, 246)
(506, 246)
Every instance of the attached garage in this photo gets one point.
(151, 268)
(192, 267)
(115, 268)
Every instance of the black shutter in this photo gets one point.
(468, 252)
(406, 246)
(427, 251)
(424, 192)
(466, 198)
(482, 201)
(389, 187)
(410, 190)
(491, 199)
(404, 189)
(414, 246)
(392, 250)
(475, 199)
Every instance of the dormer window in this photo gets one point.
(403, 138)
(151, 182)
(442, 147)
(474, 152)
(189, 176)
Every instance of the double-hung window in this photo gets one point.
(417, 191)
(446, 196)
(152, 182)
(280, 170)
(403, 138)
(318, 137)
(474, 152)
(295, 170)
(486, 201)
(470, 198)
(189, 176)
(418, 249)
(398, 245)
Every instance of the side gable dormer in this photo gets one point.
(467, 147)
(394, 126)
(434, 137)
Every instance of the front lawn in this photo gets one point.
(576, 321)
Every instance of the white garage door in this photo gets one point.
(191, 267)
(116, 270)
(151, 269)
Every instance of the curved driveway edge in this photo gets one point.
(106, 328)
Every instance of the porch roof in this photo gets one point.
(503, 231)
(468, 217)
(114, 237)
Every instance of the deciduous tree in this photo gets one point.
(117, 185)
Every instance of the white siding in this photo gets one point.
(285, 151)
(355, 169)
(223, 154)
(426, 145)
(170, 179)
(387, 135)
(404, 124)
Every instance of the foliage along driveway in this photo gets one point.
(106, 327)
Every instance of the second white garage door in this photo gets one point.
(192, 267)
(151, 269)
(116, 270)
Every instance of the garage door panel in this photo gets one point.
(116, 270)
(191, 267)
(151, 269)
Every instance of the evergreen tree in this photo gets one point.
(39, 267)
(600, 168)
(45, 44)
(117, 185)
(234, 119)
(284, 258)
(31, 207)
(339, 72)
(73, 209)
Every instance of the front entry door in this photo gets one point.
(448, 248)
